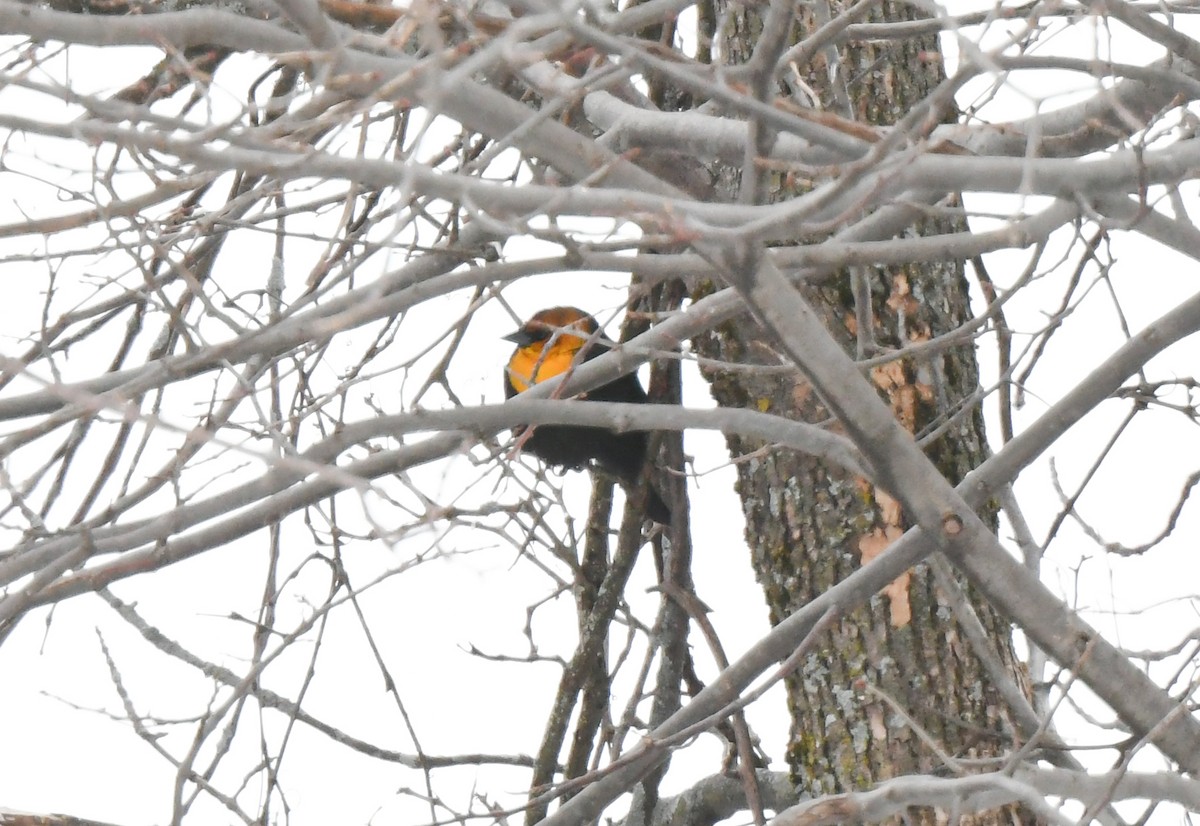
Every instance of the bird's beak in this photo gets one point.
(521, 338)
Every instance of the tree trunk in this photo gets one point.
(895, 688)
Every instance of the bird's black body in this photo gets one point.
(546, 347)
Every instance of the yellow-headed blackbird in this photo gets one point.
(547, 345)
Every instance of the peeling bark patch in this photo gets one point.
(889, 509)
(901, 300)
(903, 392)
(872, 544)
(879, 728)
(801, 395)
(898, 379)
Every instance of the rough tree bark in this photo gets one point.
(890, 675)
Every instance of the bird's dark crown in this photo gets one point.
(549, 321)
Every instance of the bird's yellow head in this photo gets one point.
(547, 344)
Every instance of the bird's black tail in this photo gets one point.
(656, 506)
(624, 456)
